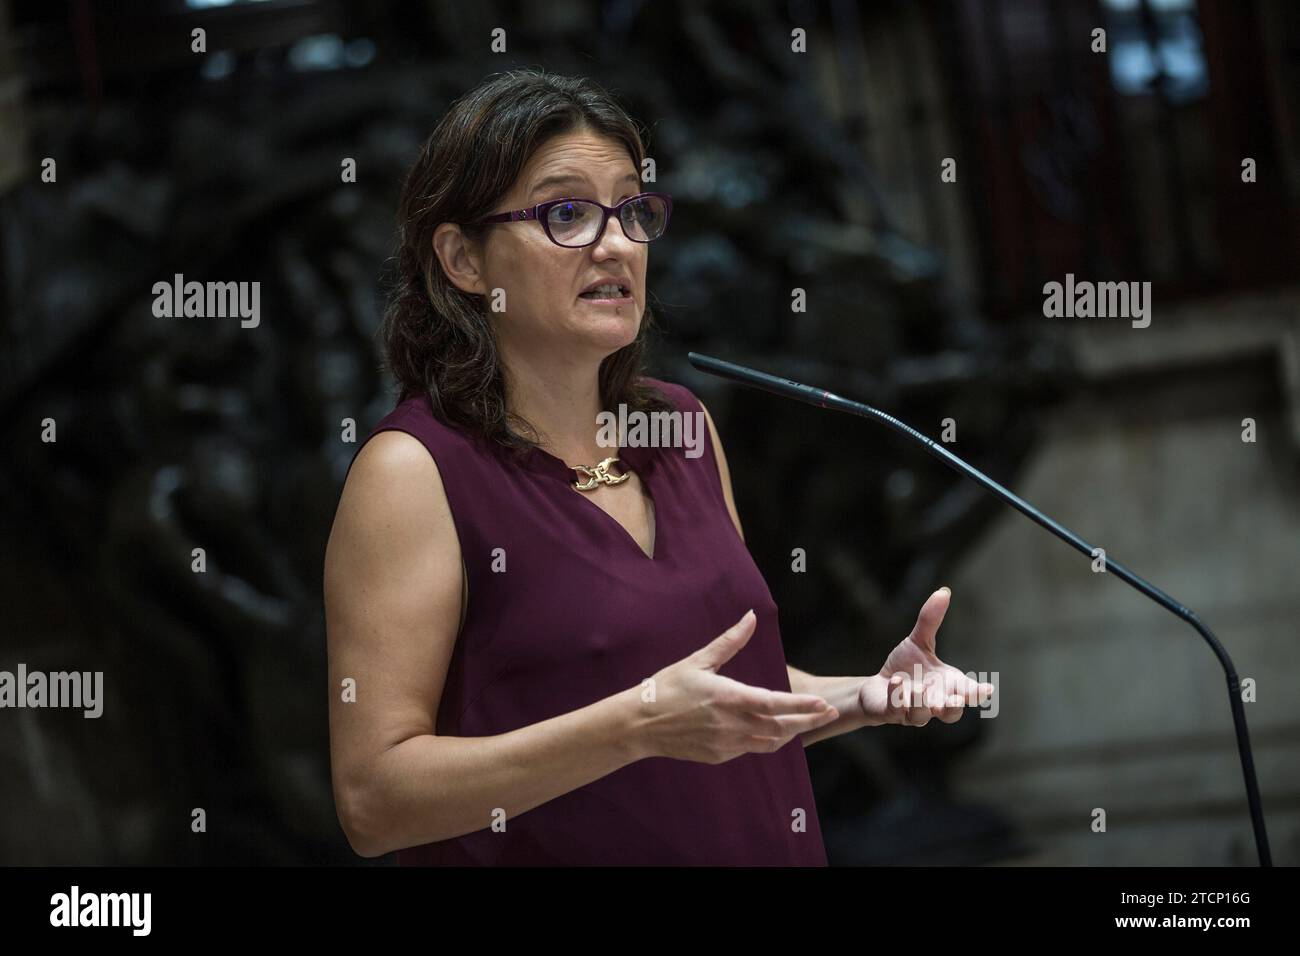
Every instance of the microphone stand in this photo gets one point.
(824, 399)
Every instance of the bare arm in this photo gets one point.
(840, 692)
(393, 599)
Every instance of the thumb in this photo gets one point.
(727, 644)
(930, 617)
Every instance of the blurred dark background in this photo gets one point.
(818, 171)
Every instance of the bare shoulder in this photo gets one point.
(392, 477)
(394, 522)
(683, 398)
(392, 456)
(724, 472)
(717, 450)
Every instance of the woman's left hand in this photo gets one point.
(914, 685)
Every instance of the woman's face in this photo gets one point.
(542, 281)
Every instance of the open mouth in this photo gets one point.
(619, 294)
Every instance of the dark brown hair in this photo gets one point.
(438, 340)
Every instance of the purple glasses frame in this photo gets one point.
(541, 211)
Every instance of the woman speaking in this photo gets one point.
(544, 650)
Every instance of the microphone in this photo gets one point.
(824, 399)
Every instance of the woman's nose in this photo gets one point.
(614, 231)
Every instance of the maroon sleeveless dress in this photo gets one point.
(581, 613)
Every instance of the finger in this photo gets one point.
(920, 704)
(760, 700)
(802, 723)
(933, 696)
(785, 728)
(954, 708)
(763, 725)
(918, 710)
(900, 693)
(946, 700)
(930, 617)
(918, 716)
(727, 644)
(975, 693)
(907, 700)
(954, 681)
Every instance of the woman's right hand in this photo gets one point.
(690, 712)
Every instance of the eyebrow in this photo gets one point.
(556, 179)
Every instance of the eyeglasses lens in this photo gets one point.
(576, 223)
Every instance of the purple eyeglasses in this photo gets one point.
(574, 223)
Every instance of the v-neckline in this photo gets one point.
(654, 517)
(630, 459)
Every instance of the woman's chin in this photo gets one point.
(613, 330)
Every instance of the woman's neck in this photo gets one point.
(562, 403)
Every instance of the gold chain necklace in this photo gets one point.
(598, 474)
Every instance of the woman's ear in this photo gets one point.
(459, 258)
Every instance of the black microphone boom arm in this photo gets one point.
(824, 399)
